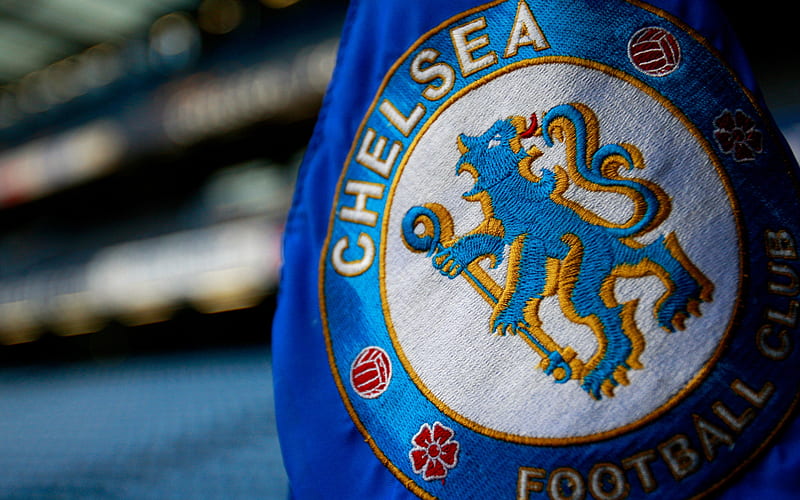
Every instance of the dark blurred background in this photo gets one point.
(148, 150)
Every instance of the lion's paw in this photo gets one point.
(598, 385)
(508, 322)
(591, 384)
(449, 262)
(676, 309)
(603, 380)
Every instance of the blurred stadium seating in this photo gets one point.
(147, 155)
(150, 170)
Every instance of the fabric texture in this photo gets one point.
(336, 444)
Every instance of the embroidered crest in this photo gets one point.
(551, 256)
(559, 248)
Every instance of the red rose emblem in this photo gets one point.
(736, 134)
(435, 451)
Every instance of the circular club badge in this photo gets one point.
(563, 270)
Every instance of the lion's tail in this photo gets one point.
(597, 168)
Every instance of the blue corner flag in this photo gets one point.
(541, 249)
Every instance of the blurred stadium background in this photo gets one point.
(148, 150)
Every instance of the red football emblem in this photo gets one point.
(654, 51)
(371, 372)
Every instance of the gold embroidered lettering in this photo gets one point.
(466, 47)
(640, 463)
(605, 474)
(771, 349)
(359, 213)
(788, 318)
(757, 399)
(681, 459)
(353, 267)
(789, 286)
(710, 436)
(370, 156)
(438, 71)
(526, 31)
(780, 245)
(566, 483)
(527, 481)
(734, 422)
(402, 123)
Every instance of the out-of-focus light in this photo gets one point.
(60, 82)
(18, 323)
(278, 4)
(91, 150)
(30, 95)
(248, 189)
(73, 315)
(227, 290)
(319, 66)
(201, 107)
(46, 165)
(102, 64)
(9, 113)
(219, 16)
(225, 267)
(63, 80)
(172, 35)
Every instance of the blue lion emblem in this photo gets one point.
(558, 247)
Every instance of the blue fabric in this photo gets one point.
(324, 453)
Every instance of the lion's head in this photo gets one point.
(496, 154)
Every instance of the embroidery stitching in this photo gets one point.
(558, 247)
(361, 250)
(737, 135)
(435, 452)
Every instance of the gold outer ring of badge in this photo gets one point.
(570, 440)
(406, 480)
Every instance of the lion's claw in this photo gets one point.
(507, 322)
(448, 263)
